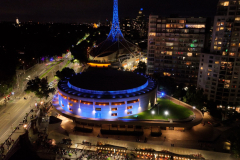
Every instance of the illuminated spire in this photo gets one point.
(115, 32)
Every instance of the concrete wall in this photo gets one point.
(89, 110)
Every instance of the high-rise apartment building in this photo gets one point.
(140, 23)
(174, 47)
(126, 26)
(220, 70)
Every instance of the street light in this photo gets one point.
(166, 113)
(153, 112)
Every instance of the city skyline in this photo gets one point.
(94, 10)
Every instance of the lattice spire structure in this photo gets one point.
(115, 32)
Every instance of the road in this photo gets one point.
(14, 111)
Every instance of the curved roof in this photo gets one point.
(109, 47)
(107, 80)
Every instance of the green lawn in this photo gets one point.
(175, 111)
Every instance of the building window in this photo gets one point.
(215, 47)
(225, 3)
(62, 105)
(189, 54)
(113, 109)
(219, 48)
(133, 101)
(210, 66)
(224, 53)
(70, 104)
(231, 54)
(216, 62)
(70, 109)
(129, 107)
(130, 112)
(221, 28)
(98, 109)
(210, 61)
(169, 53)
(114, 114)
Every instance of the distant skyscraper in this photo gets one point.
(17, 21)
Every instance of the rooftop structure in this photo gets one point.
(115, 47)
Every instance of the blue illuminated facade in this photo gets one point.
(90, 104)
(115, 32)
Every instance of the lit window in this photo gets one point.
(222, 23)
(113, 109)
(219, 48)
(169, 53)
(169, 44)
(129, 107)
(237, 19)
(189, 54)
(70, 104)
(209, 74)
(219, 42)
(201, 68)
(224, 53)
(215, 43)
(233, 44)
(216, 62)
(218, 23)
(166, 74)
(70, 109)
(98, 109)
(231, 54)
(217, 29)
(226, 3)
(152, 34)
(221, 28)
(181, 21)
(130, 112)
(215, 47)
(114, 114)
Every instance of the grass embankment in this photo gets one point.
(175, 112)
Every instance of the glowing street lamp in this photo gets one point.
(153, 112)
(166, 113)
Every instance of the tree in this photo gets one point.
(39, 87)
(166, 85)
(66, 72)
(235, 143)
(142, 67)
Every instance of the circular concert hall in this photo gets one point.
(105, 94)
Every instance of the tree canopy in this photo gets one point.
(66, 72)
(142, 67)
(39, 87)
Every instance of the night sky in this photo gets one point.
(98, 10)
